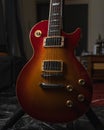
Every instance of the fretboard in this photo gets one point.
(55, 18)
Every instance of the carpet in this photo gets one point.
(98, 94)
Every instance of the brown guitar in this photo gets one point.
(53, 86)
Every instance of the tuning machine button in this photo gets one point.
(81, 97)
(81, 82)
(69, 103)
(69, 88)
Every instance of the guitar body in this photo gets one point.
(60, 98)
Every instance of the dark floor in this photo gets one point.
(9, 106)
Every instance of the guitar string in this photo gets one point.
(52, 64)
(50, 16)
(52, 33)
(55, 28)
(48, 49)
(55, 23)
(58, 18)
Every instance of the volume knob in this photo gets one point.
(69, 103)
(81, 98)
(69, 88)
(81, 82)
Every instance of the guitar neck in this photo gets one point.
(55, 18)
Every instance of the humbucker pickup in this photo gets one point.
(54, 41)
(52, 66)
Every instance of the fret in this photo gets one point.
(55, 14)
(55, 23)
(54, 26)
(55, 20)
(55, 29)
(52, 33)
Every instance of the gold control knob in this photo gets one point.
(69, 103)
(69, 88)
(81, 98)
(38, 33)
(81, 82)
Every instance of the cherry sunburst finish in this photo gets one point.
(53, 86)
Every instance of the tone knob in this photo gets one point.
(69, 103)
(69, 88)
(81, 98)
(81, 82)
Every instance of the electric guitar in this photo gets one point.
(53, 86)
